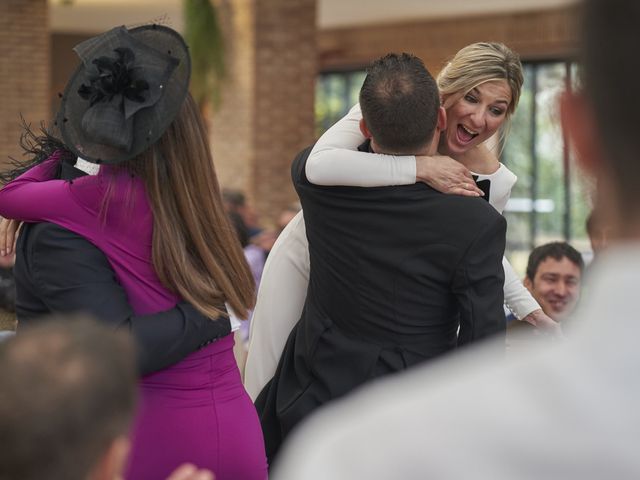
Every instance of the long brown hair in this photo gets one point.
(195, 251)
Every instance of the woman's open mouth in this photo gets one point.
(465, 135)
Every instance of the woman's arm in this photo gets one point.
(446, 175)
(335, 160)
(25, 198)
(522, 304)
(516, 297)
(36, 196)
(69, 274)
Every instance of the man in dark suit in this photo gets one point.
(57, 271)
(399, 275)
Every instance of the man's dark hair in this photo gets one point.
(555, 250)
(399, 101)
(67, 390)
(611, 69)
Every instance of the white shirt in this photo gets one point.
(565, 411)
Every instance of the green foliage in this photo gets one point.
(206, 45)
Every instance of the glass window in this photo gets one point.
(336, 93)
(550, 201)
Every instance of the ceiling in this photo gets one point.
(337, 13)
(98, 15)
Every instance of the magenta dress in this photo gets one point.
(195, 411)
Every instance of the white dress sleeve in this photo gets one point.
(281, 296)
(335, 160)
(516, 297)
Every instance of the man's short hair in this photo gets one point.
(555, 250)
(67, 390)
(611, 69)
(399, 101)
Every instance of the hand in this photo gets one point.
(190, 472)
(8, 235)
(447, 176)
(541, 321)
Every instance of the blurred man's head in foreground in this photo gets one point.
(66, 402)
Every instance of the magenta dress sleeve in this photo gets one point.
(35, 196)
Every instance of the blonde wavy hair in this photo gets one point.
(483, 62)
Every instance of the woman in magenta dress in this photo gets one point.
(155, 210)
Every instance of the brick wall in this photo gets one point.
(266, 115)
(535, 35)
(24, 69)
(231, 125)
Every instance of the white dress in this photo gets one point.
(281, 296)
(334, 160)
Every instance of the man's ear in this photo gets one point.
(363, 128)
(442, 119)
(527, 283)
(579, 126)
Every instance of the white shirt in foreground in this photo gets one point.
(565, 411)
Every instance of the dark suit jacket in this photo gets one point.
(58, 271)
(395, 271)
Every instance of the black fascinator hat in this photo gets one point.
(125, 93)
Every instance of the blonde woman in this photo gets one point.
(480, 88)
